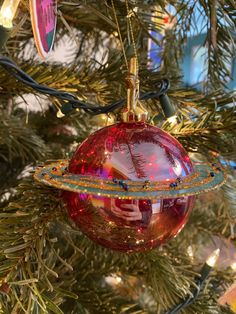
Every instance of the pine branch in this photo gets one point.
(205, 122)
(229, 196)
(214, 219)
(218, 22)
(39, 251)
(19, 146)
(19, 141)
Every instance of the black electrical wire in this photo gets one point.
(69, 101)
(200, 281)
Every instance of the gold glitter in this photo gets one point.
(52, 175)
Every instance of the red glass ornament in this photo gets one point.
(134, 151)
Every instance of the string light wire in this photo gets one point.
(70, 102)
(199, 283)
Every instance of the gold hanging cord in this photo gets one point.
(130, 13)
(132, 112)
(119, 33)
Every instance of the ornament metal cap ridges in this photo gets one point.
(134, 110)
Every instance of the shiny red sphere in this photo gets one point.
(134, 151)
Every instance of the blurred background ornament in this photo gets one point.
(44, 20)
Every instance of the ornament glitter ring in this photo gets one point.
(201, 180)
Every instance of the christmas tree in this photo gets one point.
(47, 265)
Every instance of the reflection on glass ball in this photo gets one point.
(129, 151)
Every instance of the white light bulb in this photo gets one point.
(60, 114)
(190, 252)
(233, 266)
(172, 120)
(212, 259)
(7, 12)
(113, 280)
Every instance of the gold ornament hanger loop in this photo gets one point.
(133, 111)
(119, 33)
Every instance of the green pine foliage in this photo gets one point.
(46, 264)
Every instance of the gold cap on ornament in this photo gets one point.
(134, 111)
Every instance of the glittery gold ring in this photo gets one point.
(204, 178)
